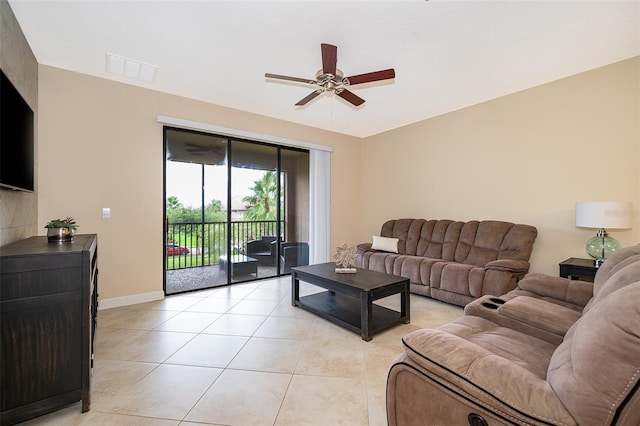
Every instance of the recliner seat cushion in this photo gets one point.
(489, 362)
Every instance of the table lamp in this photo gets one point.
(602, 215)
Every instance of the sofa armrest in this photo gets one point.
(484, 375)
(362, 247)
(516, 267)
(574, 292)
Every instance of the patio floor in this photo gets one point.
(189, 279)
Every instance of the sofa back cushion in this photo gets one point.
(596, 369)
(625, 272)
(484, 241)
(437, 239)
(613, 264)
(474, 243)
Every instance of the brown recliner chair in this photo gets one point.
(475, 371)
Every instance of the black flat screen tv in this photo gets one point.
(16, 139)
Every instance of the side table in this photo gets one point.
(581, 269)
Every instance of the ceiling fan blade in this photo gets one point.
(308, 98)
(350, 97)
(372, 76)
(329, 58)
(286, 77)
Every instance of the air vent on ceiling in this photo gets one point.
(130, 68)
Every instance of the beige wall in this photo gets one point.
(527, 158)
(101, 146)
(18, 210)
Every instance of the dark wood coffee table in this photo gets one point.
(349, 298)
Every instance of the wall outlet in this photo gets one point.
(106, 213)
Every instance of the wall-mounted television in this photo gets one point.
(16, 139)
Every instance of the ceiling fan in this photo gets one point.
(331, 79)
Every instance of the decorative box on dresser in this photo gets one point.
(48, 310)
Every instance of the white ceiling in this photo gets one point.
(447, 54)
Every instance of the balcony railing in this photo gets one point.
(201, 244)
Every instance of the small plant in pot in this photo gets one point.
(61, 229)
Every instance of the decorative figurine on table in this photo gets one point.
(345, 258)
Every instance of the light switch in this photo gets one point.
(106, 213)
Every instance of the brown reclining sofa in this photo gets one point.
(551, 352)
(456, 262)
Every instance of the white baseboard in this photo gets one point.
(116, 302)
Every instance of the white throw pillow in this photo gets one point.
(385, 244)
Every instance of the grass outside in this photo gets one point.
(190, 260)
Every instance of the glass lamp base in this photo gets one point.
(600, 247)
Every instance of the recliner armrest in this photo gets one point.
(538, 313)
(509, 265)
(571, 291)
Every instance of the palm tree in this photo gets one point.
(214, 212)
(263, 203)
(173, 202)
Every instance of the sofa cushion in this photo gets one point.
(597, 366)
(483, 242)
(397, 229)
(610, 266)
(436, 239)
(381, 262)
(624, 272)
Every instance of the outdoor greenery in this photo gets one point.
(264, 200)
(185, 225)
(177, 213)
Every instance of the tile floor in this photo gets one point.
(240, 355)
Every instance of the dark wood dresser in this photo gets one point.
(48, 309)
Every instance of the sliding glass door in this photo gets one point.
(255, 205)
(235, 210)
(196, 226)
(294, 180)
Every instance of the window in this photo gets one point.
(240, 209)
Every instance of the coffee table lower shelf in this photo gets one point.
(345, 311)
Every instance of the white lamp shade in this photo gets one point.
(604, 214)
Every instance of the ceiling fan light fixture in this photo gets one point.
(329, 82)
(331, 79)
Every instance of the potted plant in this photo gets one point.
(61, 229)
